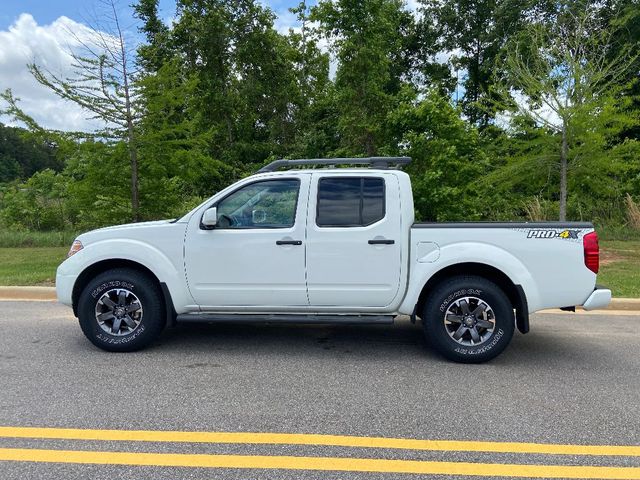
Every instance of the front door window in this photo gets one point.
(265, 204)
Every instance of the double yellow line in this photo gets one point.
(317, 463)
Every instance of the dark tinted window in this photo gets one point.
(350, 201)
(372, 200)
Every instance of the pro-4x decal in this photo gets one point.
(553, 233)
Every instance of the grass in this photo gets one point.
(617, 232)
(30, 266)
(12, 238)
(619, 266)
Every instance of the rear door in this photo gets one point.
(353, 239)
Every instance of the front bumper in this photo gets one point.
(64, 288)
(600, 298)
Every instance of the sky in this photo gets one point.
(43, 31)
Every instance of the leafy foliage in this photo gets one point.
(447, 159)
(372, 65)
(23, 154)
(220, 91)
(38, 204)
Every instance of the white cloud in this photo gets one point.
(48, 46)
(286, 20)
(542, 115)
(413, 5)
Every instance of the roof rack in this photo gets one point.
(373, 162)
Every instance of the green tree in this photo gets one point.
(625, 17)
(97, 203)
(447, 159)
(473, 33)
(172, 148)
(25, 151)
(314, 111)
(564, 74)
(370, 39)
(158, 49)
(523, 178)
(245, 79)
(37, 204)
(103, 85)
(22, 154)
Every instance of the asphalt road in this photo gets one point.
(574, 380)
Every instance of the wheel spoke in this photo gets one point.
(454, 318)
(108, 302)
(105, 316)
(464, 306)
(129, 321)
(479, 309)
(474, 334)
(133, 307)
(484, 324)
(116, 325)
(122, 297)
(459, 332)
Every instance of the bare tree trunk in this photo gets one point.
(369, 145)
(133, 157)
(229, 129)
(564, 153)
(131, 139)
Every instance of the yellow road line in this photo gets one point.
(316, 463)
(317, 440)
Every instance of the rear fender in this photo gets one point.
(475, 253)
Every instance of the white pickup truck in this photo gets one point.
(327, 245)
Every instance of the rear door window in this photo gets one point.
(350, 201)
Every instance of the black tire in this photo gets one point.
(457, 299)
(136, 328)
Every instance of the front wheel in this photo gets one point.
(121, 310)
(468, 319)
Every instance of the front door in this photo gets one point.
(255, 256)
(354, 240)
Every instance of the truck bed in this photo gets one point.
(545, 258)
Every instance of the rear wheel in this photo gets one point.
(468, 319)
(121, 310)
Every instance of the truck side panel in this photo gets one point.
(547, 260)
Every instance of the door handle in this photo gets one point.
(288, 242)
(382, 241)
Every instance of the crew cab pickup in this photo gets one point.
(328, 245)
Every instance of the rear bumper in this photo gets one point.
(600, 298)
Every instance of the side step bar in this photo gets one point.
(293, 318)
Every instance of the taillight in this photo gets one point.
(591, 251)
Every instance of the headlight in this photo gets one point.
(76, 246)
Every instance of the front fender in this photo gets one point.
(166, 271)
(468, 252)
